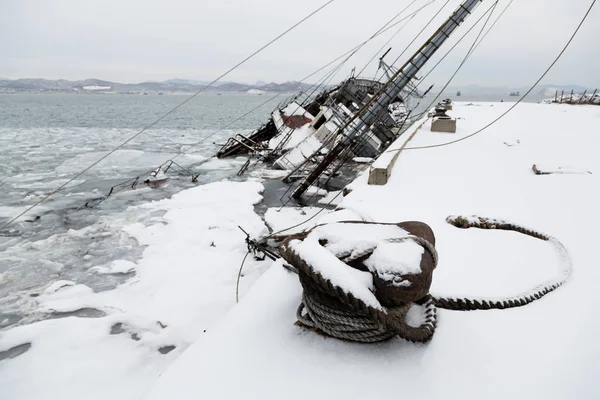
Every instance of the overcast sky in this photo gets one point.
(139, 40)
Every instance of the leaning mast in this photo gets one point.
(364, 119)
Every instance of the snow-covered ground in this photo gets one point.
(183, 290)
(548, 349)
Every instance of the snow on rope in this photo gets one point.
(358, 288)
(535, 293)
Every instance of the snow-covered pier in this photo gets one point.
(544, 350)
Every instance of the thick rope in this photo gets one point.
(469, 304)
(339, 314)
(330, 310)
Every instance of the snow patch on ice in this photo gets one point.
(333, 198)
(316, 191)
(58, 285)
(116, 267)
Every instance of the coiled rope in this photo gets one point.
(331, 310)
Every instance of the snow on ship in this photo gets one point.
(298, 130)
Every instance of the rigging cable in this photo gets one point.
(461, 39)
(418, 34)
(492, 8)
(520, 99)
(423, 79)
(494, 24)
(166, 114)
(390, 39)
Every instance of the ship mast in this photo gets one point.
(361, 122)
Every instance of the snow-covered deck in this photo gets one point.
(546, 350)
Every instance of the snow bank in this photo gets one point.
(114, 344)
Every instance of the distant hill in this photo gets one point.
(180, 81)
(176, 85)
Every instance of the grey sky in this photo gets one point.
(137, 40)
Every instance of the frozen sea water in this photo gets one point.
(45, 139)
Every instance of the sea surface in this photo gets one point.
(46, 139)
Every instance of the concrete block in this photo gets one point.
(447, 125)
(381, 169)
(379, 176)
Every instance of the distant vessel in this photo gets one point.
(515, 93)
(458, 94)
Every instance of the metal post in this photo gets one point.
(561, 96)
